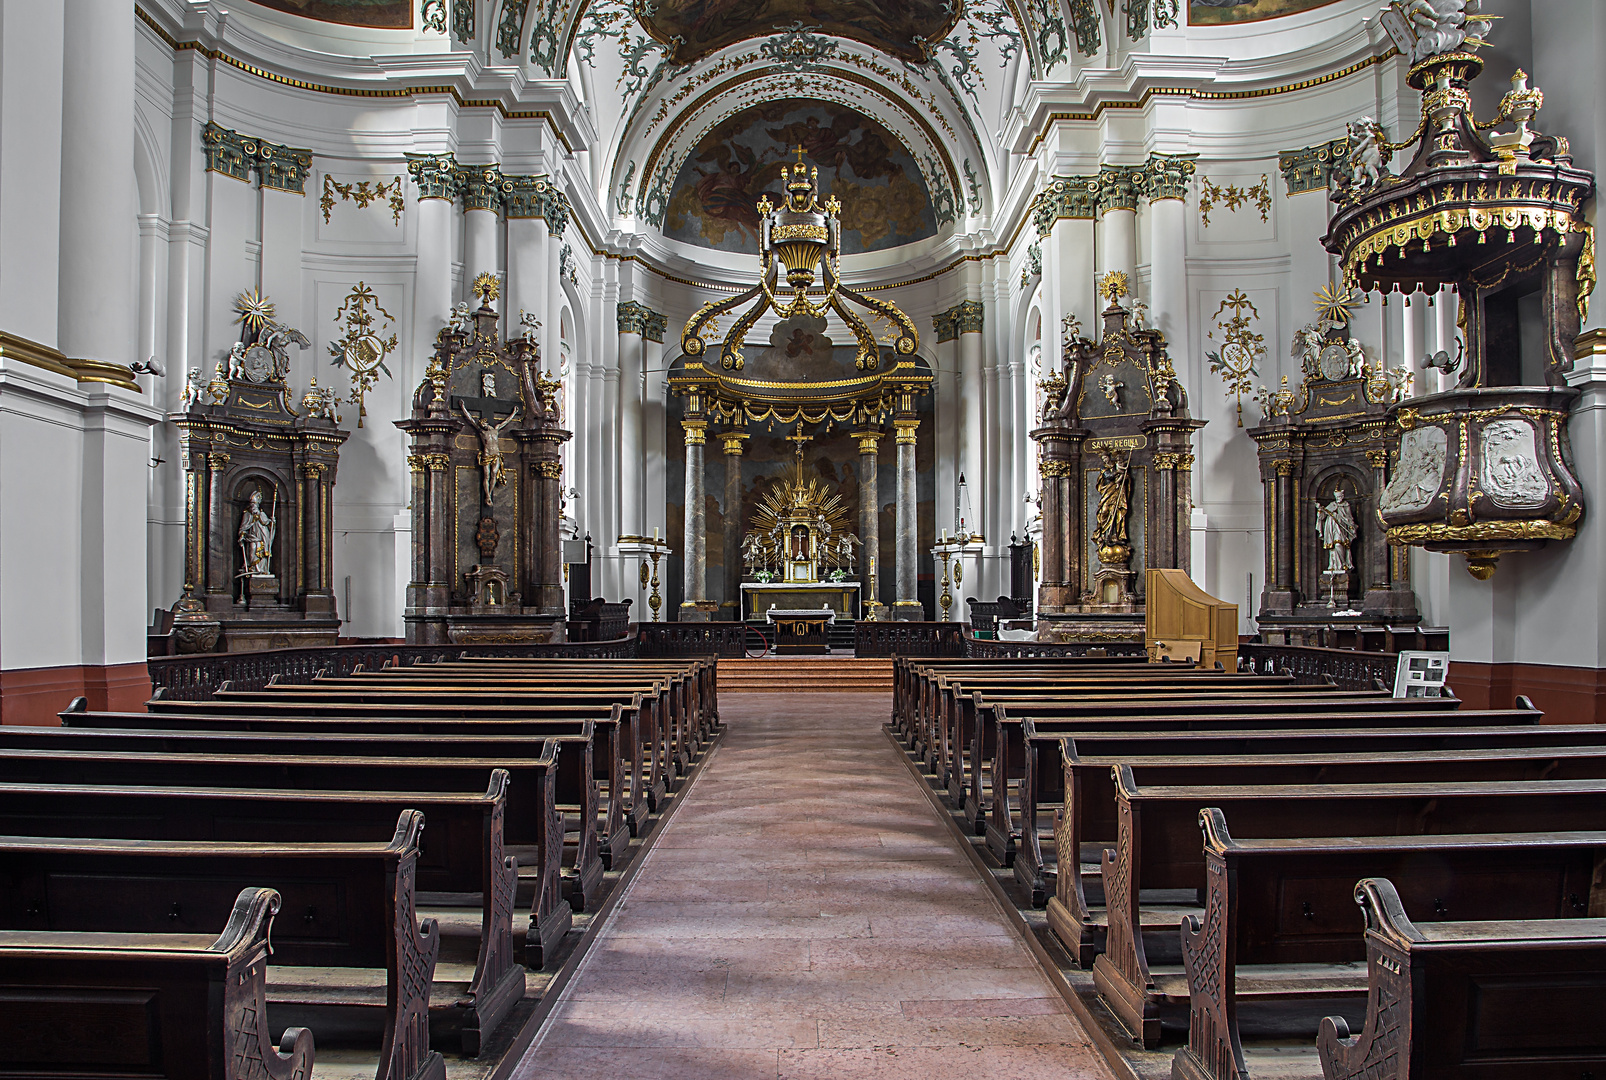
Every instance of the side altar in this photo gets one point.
(483, 450)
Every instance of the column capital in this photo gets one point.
(637, 318)
(1310, 167)
(435, 175)
(905, 430)
(869, 441)
(696, 431)
(278, 167)
(964, 317)
(733, 441)
(1165, 176)
(479, 185)
(1119, 187)
(537, 197)
(1064, 197)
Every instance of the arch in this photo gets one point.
(150, 176)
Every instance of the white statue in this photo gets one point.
(493, 473)
(530, 323)
(256, 537)
(1338, 530)
(458, 320)
(488, 383)
(1367, 153)
(192, 390)
(1111, 388)
(1443, 26)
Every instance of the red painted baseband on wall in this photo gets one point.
(36, 695)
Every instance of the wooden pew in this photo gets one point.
(106, 1006)
(704, 670)
(600, 741)
(1465, 1000)
(533, 828)
(355, 902)
(1156, 846)
(1048, 763)
(461, 865)
(999, 740)
(1279, 924)
(909, 672)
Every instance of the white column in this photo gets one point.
(280, 274)
(432, 280)
(527, 244)
(31, 93)
(97, 289)
(630, 474)
(1118, 219)
(972, 397)
(479, 246)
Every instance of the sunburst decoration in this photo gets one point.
(1114, 286)
(1335, 306)
(256, 311)
(794, 498)
(486, 286)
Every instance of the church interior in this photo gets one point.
(801, 460)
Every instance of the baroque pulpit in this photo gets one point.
(484, 440)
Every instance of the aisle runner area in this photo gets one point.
(806, 915)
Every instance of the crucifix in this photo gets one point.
(799, 439)
(799, 152)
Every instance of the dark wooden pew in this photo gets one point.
(1157, 845)
(288, 730)
(352, 902)
(1466, 1000)
(908, 672)
(1036, 752)
(533, 828)
(461, 863)
(98, 1006)
(1279, 924)
(704, 670)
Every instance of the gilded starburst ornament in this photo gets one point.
(255, 310)
(1114, 286)
(486, 286)
(1335, 306)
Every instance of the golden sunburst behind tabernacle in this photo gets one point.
(792, 496)
(256, 311)
(1336, 306)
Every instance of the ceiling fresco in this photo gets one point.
(391, 14)
(885, 201)
(696, 28)
(1218, 12)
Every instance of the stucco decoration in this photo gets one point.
(1511, 473)
(390, 14)
(693, 29)
(1217, 12)
(884, 197)
(1420, 474)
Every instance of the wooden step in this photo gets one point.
(787, 675)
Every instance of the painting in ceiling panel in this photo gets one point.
(884, 198)
(696, 28)
(1218, 12)
(389, 14)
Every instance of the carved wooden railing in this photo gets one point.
(1349, 668)
(986, 649)
(724, 639)
(877, 639)
(194, 677)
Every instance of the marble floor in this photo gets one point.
(807, 915)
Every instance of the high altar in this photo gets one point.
(800, 550)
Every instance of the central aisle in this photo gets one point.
(807, 915)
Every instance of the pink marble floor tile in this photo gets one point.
(1046, 1062)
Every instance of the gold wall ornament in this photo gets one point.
(1234, 197)
(1238, 359)
(486, 286)
(364, 193)
(1114, 285)
(361, 350)
(255, 311)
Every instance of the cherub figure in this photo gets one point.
(1111, 388)
(192, 390)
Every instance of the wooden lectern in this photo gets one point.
(1180, 613)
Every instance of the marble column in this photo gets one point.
(694, 552)
(733, 441)
(1052, 596)
(637, 325)
(218, 529)
(1118, 220)
(907, 604)
(435, 175)
(440, 516)
(869, 517)
(98, 294)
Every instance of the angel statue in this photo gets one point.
(1441, 26)
(457, 321)
(493, 474)
(530, 323)
(256, 537)
(1368, 153)
(193, 388)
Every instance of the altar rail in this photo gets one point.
(988, 649)
(1349, 668)
(193, 677)
(674, 639)
(877, 639)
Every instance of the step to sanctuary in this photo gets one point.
(810, 674)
